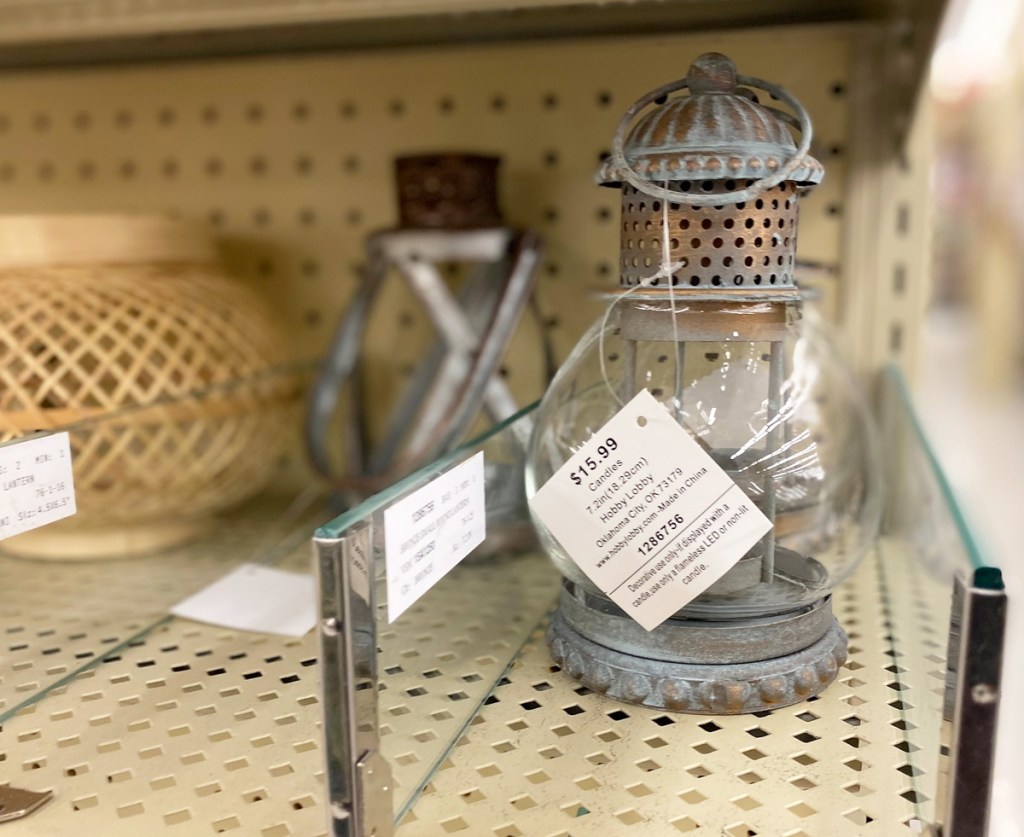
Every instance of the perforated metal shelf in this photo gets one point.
(548, 757)
(192, 729)
(440, 661)
(58, 616)
(139, 722)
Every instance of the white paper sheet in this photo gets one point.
(256, 598)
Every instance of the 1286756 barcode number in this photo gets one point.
(661, 534)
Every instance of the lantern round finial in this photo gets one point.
(712, 72)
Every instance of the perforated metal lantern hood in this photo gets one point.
(719, 131)
(729, 170)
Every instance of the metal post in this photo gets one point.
(358, 779)
(680, 383)
(466, 377)
(629, 371)
(775, 364)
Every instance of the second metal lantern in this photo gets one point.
(708, 320)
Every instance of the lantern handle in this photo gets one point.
(626, 172)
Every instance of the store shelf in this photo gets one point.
(118, 707)
(548, 757)
(193, 729)
(143, 723)
(177, 727)
(59, 617)
(63, 31)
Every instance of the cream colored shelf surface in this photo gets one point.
(193, 729)
(57, 616)
(95, 673)
(178, 727)
(190, 728)
(25, 21)
(548, 757)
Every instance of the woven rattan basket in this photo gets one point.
(124, 330)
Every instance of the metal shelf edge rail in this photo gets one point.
(976, 638)
(358, 778)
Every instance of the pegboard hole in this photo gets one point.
(177, 817)
(83, 803)
(858, 817)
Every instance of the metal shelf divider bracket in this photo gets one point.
(977, 635)
(359, 785)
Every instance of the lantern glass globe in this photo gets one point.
(807, 456)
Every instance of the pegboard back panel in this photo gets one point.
(290, 160)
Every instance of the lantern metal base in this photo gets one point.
(721, 688)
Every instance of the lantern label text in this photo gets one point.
(427, 533)
(36, 484)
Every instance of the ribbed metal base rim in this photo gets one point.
(726, 689)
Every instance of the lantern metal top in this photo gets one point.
(719, 132)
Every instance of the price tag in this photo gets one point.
(647, 514)
(427, 533)
(36, 485)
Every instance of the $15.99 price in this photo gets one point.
(591, 464)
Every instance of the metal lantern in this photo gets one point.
(708, 320)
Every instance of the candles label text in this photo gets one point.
(647, 514)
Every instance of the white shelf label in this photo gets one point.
(36, 484)
(256, 598)
(646, 513)
(427, 533)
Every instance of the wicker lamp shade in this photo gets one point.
(123, 329)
